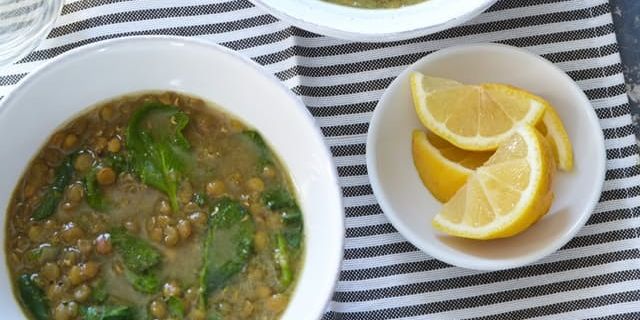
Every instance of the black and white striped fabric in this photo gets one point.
(595, 276)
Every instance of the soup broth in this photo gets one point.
(376, 4)
(154, 206)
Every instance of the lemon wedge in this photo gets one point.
(443, 167)
(507, 194)
(553, 130)
(473, 117)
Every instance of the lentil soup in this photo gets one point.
(154, 206)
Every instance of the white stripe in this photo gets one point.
(350, 181)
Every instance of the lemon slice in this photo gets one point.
(473, 117)
(553, 130)
(443, 168)
(506, 195)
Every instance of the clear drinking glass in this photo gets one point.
(23, 25)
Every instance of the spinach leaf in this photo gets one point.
(176, 307)
(107, 313)
(293, 234)
(53, 195)
(137, 254)
(146, 282)
(99, 292)
(228, 244)
(290, 237)
(94, 195)
(199, 199)
(264, 153)
(282, 259)
(33, 297)
(118, 161)
(159, 152)
(278, 198)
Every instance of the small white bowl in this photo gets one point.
(374, 25)
(409, 205)
(83, 77)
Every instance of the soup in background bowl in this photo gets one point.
(375, 4)
(374, 20)
(106, 230)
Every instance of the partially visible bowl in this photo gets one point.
(374, 25)
(409, 205)
(81, 78)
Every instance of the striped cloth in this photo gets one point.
(595, 276)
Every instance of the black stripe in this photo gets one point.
(341, 89)
(484, 299)
(259, 40)
(355, 191)
(329, 111)
(361, 211)
(373, 230)
(580, 54)
(599, 72)
(619, 153)
(619, 316)
(622, 173)
(568, 306)
(212, 28)
(345, 130)
(607, 92)
(381, 250)
(598, 238)
(613, 112)
(349, 150)
(487, 277)
(618, 132)
(11, 79)
(614, 215)
(148, 14)
(617, 194)
(349, 171)
(390, 270)
(87, 4)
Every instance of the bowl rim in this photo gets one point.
(396, 221)
(388, 36)
(103, 45)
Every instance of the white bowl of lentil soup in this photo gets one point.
(164, 178)
(374, 20)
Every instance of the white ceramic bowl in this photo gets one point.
(374, 25)
(81, 78)
(409, 205)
